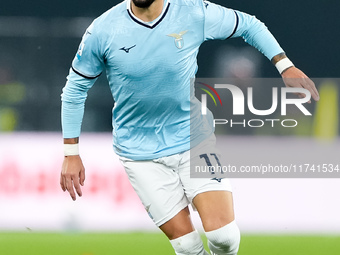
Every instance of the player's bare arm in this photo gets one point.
(73, 172)
(294, 77)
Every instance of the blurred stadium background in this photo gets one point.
(38, 41)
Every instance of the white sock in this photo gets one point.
(189, 244)
(225, 240)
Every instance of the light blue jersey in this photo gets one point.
(149, 67)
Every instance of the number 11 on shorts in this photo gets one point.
(211, 167)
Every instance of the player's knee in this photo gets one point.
(189, 244)
(225, 240)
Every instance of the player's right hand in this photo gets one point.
(295, 78)
(72, 175)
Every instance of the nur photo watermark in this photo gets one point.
(267, 130)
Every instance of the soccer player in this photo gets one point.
(149, 50)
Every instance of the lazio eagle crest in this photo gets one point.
(179, 41)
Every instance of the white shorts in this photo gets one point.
(164, 185)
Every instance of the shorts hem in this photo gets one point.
(207, 190)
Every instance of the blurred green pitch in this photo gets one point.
(154, 244)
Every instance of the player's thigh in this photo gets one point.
(160, 191)
(212, 199)
(215, 209)
(212, 196)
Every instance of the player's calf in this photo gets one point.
(189, 244)
(225, 240)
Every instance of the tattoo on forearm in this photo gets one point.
(278, 57)
(71, 140)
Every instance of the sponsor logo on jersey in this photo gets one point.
(127, 50)
(206, 4)
(179, 41)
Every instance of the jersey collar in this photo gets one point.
(153, 23)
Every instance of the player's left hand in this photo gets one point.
(295, 78)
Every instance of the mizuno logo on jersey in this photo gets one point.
(127, 50)
(206, 4)
(179, 41)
